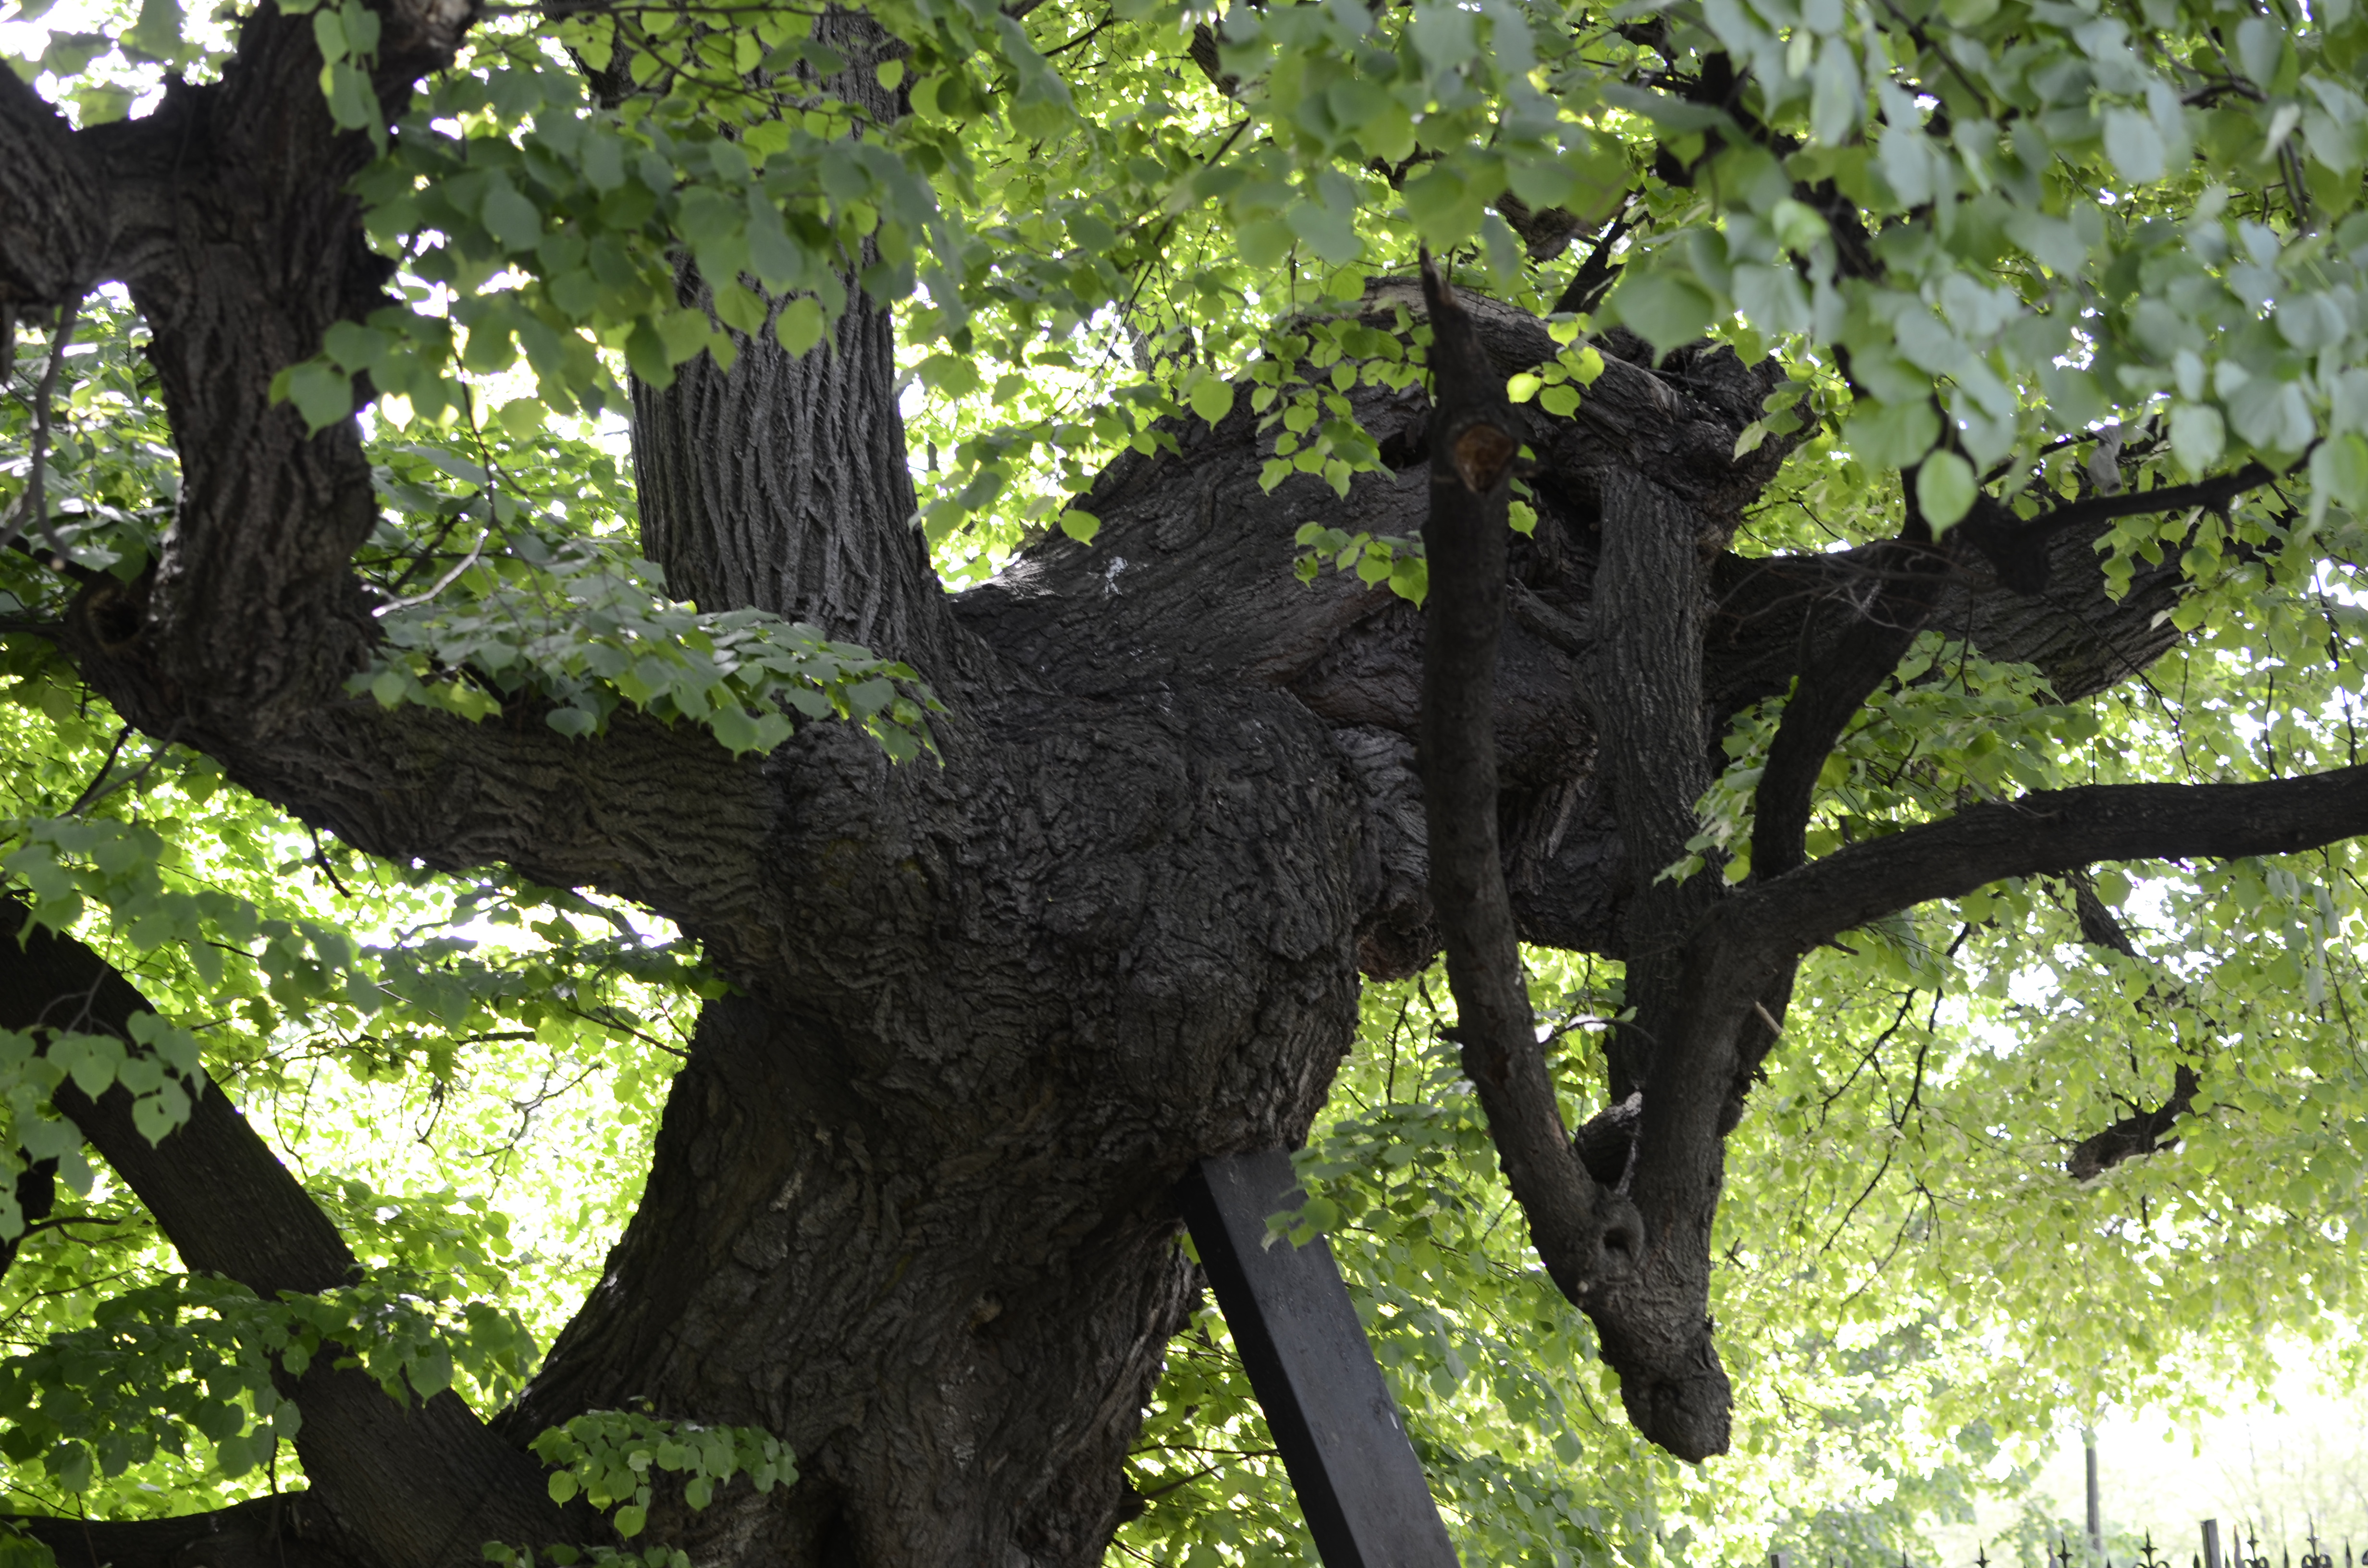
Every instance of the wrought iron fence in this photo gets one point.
(2241, 1551)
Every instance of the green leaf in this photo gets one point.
(1945, 487)
(1212, 398)
(2134, 145)
(2197, 437)
(1892, 435)
(800, 326)
(2341, 466)
(1836, 100)
(509, 217)
(67, 54)
(322, 394)
(1798, 225)
(739, 308)
(329, 35)
(353, 104)
(157, 34)
(1668, 308)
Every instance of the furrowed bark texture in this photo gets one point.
(779, 484)
(741, 473)
(908, 1209)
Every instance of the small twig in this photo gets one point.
(33, 506)
(427, 553)
(162, 745)
(321, 858)
(90, 790)
(442, 583)
(1081, 38)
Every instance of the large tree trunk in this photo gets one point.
(909, 1208)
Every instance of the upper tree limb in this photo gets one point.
(1754, 934)
(56, 234)
(226, 212)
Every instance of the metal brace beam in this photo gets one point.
(1359, 1483)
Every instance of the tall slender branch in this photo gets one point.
(1474, 443)
(32, 508)
(2051, 831)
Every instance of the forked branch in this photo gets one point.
(1638, 1289)
(1754, 936)
(1474, 442)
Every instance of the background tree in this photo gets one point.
(1073, 877)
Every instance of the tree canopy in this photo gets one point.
(792, 640)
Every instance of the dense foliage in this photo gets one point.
(2017, 249)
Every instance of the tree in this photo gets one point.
(1072, 879)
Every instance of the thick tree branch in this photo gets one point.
(1645, 686)
(785, 483)
(221, 1196)
(2096, 922)
(2140, 1132)
(2018, 548)
(54, 191)
(658, 813)
(290, 1530)
(1645, 683)
(1599, 271)
(407, 1486)
(1906, 575)
(2052, 830)
(2095, 510)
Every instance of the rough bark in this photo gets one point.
(779, 485)
(46, 173)
(908, 1209)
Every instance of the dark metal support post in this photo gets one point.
(2211, 1544)
(1360, 1484)
(2096, 1498)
